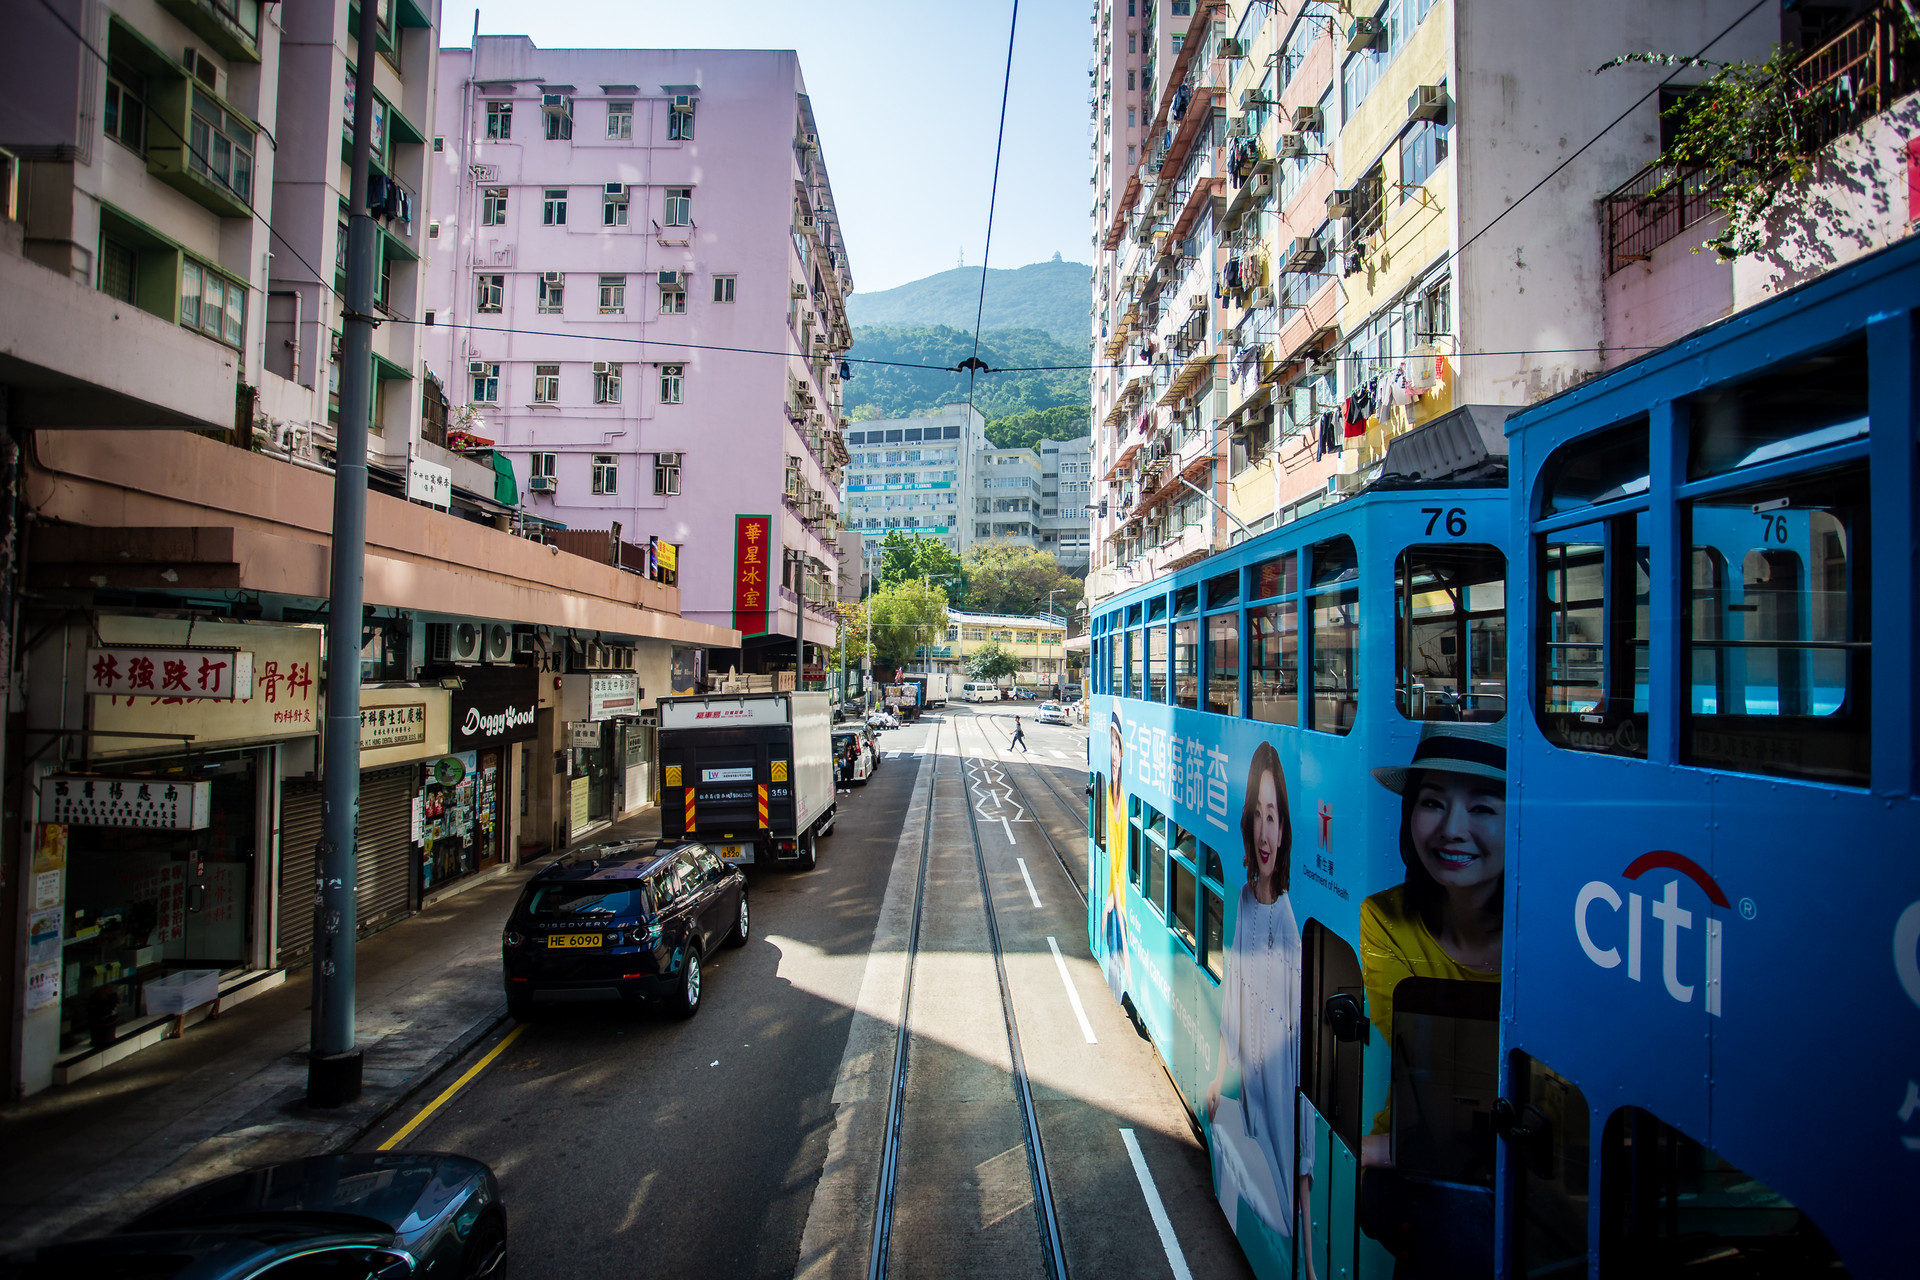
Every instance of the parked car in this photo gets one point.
(853, 755)
(1052, 713)
(373, 1215)
(632, 919)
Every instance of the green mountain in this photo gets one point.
(912, 372)
(1049, 296)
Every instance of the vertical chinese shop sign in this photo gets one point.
(751, 552)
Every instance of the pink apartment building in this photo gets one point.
(636, 287)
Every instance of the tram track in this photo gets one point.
(894, 1147)
(1066, 807)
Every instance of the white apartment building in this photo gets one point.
(914, 475)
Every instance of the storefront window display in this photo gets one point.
(142, 902)
(461, 828)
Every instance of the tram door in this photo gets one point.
(1335, 1030)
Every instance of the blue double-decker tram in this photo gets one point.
(1523, 878)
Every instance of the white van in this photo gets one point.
(981, 691)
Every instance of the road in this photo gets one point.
(748, 1142)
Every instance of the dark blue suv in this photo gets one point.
(635, 919)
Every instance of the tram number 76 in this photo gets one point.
(1456, 520)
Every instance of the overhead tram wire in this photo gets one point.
(972, 364)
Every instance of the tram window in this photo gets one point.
(1777, 637)
(1592, 637)
(1669, 1206)
(1186, 600)
(1186, 663)
(1276, 577)
(1213, 932)
(1183, 889)
(1133, 615)
(1156, 608)
(1807, 405)
(1154, 683)
(1604, 467)
(1273, 662)
(1117, 647)
(1551, 1160)
(1331, 1071)
(1153, 860)
(1450, 633)
(1223, 663)
(1445, 1077)
(1334, 613)
(1134, 842)
(1223, 590)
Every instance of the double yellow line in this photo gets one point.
(427, 1111)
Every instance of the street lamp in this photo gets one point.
(1063, 643)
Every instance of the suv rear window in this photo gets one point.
(596, 898)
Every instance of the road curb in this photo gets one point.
(458, 1048)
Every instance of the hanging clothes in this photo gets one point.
(1356, 416)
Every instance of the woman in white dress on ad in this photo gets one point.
(1254, 1136)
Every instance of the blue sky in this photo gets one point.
(907, 95)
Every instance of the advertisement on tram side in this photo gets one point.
(1254, 884)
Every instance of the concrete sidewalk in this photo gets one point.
(231, 1093)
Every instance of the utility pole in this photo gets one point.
(1059, 674)
(799, 622)
(333, 1063)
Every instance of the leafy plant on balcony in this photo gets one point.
(1751, 130)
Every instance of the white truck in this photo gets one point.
(935, 687)
(748, 774)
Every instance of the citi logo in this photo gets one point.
(1674, 920)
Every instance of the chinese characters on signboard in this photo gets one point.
(613, 695)
(223, 674)
(752, 553)
(393, 726)
(429, 482)
(279, 700)
(155, 803)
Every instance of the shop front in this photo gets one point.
(464, 821)
(401, 726)
(153, 838)
(598, 746)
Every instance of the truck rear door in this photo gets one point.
(714, 784)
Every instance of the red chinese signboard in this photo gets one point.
(752, 553)
(222, 674)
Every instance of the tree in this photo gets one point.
(991, 661)
(1027, 430)
(905, 558)
(1004, 578)
(906, 615)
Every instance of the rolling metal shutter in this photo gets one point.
(299, 837)
(384, 856)
(384, 851)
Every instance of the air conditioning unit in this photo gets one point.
(683, 102)
(810, 141)
(1262, 297)
(1293, 146)
(1364, 33)
(806, 222)
(1232, 48)
(667, 459)
(1197, 301)
(1237, 127)
(1306, 119)
(616, 188)
(496, 642)
(539, 484)
(1340, 202)
(554, 104)
(1260, 185)
(798, 290)
(454, 641)
(1428, 102)
(669, 279)
(551, 277)
(1308, 254)
(1252, 100)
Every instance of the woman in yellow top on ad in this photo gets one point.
(1445, 920)
(1113, 926)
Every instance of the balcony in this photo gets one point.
(1840, 84)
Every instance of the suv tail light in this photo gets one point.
(642, 935)
(512, 939)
